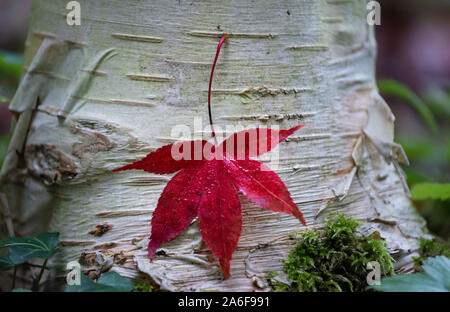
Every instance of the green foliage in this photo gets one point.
(6, 263)
(430, 191)
(429, 151)
(431, 248)
(334, 258)
(143, 288)
(22, 249)
(10, 63)
(435, 277)
(395, 88)
(21, 290)
(437, 99)
(116, 281)
(108, 282)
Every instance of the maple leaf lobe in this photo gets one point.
(162, 161)
(262, 186)
(219, 216)
(177, 207)
(254, 142)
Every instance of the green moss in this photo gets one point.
(271, 274)
(431, 248)
(143, 288)
(278, 286)
(209, 290)
(333, 258)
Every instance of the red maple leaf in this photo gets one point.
(206, 185)
(207, 188)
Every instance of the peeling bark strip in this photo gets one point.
(332, 19)
(122, 213)
(308, 48)
(115, 101)
(261, 90)
(230, 35)
(321, 55)
(47, 74)
(338, 1)
(43, 35)
(94, 72)
(137, 38)
(76, 243)
(278, 117)
(148, 78)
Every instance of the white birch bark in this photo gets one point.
(112, 89)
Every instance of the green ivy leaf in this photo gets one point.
(88, 285)
(6, 263)
(21, 290)
(430, 191)
(436, 278)
(22, 249)
(108, 282)
(116, 281)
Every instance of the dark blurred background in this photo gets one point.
(413, 73)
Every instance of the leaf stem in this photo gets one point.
(222, 40)
(38, 279)
(14, 278)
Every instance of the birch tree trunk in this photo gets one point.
(111, 89)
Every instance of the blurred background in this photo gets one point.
(413, 73)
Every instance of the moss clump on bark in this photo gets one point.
(431, 248)
(333, 258)
(143, 288)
